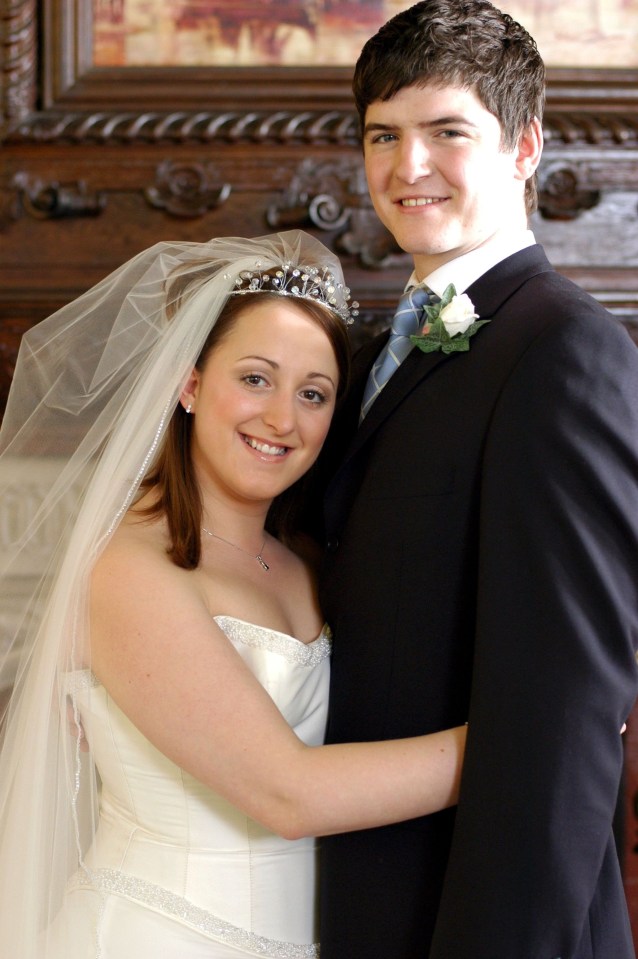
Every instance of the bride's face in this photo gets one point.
(263, 402)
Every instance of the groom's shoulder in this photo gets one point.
(528, 282)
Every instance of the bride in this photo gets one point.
(162, 773)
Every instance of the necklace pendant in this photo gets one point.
(262, 562)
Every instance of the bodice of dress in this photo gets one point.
(166, 841)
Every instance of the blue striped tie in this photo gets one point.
(407, 321)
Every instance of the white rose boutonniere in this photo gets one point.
(449, 324)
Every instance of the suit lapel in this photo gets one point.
(491, 290)
(488, 294)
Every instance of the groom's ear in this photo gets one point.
(529, 150)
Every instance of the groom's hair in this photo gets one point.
(465, 43)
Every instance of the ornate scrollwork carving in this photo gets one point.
(375, 246)
(187, 189)
(322, 193)
(561, 195)
(283, 126)
(18, 39)
(601, 128)
(54, 201)
(334, 196)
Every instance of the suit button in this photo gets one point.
(333, 545)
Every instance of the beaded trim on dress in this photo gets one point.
(156, 897)
(303, 654)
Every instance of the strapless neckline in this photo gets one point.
(263, 637)
(325, 629)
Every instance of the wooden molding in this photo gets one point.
(58, 96)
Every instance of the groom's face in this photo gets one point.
(438, 176)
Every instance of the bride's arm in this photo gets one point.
(169, 667)
(359, 785)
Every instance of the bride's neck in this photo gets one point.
(243, 526)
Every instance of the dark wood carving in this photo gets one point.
(561, 196)
(45, 201)
(18, 66)
(339, 127)
(179, 126)
(187, 189)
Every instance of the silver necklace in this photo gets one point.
(264, 565)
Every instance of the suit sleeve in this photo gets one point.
(555, 672)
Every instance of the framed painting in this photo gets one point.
(329, 33)
(244, 33)
(69, 73)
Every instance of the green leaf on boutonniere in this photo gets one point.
(449, 324)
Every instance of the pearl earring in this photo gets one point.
(189, 408)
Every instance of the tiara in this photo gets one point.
(305, 282)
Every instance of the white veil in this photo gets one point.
(94, 388)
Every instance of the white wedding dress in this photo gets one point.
(175, 871)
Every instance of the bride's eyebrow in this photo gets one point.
(261, 359)
(321, 376)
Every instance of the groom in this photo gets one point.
(482, 562)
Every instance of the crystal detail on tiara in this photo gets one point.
(306, 282)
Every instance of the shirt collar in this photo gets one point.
(468, 267)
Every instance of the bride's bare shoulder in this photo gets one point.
(139, 543)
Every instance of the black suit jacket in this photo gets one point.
(483, 565)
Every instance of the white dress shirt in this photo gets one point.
(465, 269)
